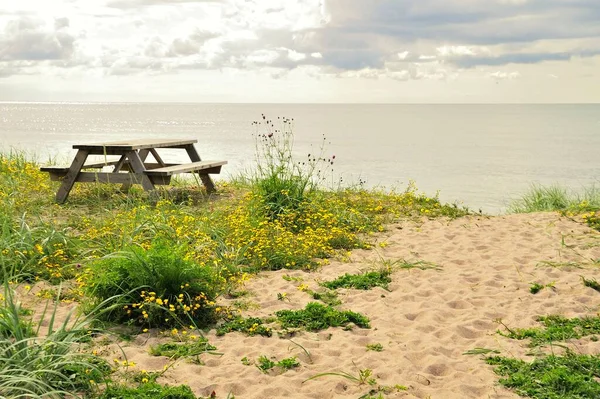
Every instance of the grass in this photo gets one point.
(150, 390)
(363, 377)
(176, 350)
(592, 283)
(168, 259)
(316, 317)
(49, 364)
(417, 264)
(585, 205)
(328, 297)
(556, 328)
(265, 364)
(250, 326)
(376, 347)
(364, 281)
(556, 198)
(534, 288)
(551, 377)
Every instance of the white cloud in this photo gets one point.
(380, 40)
(504, 75)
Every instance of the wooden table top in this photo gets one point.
(130, 145)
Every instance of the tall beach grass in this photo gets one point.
(557, 198)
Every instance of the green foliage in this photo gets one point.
(364, 281)
(34, 252)
(556, 198)
(551, 377)
(481, 351)
(265, 364)
(534, 288)
(176, 350)
(557, 328)
(288, 363)
(376, 347)
(316, 317)
(281, 181)
(250, 326)
(150, 390)
(329, 298)
(159, 287)
(592, 283)
(418, 264)
(49, 366)
(246, 361)
(593, 219)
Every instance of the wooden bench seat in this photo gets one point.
(204, 167)
(132, 167)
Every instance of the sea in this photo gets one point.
(480, 156)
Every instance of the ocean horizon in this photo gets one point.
(481, 155)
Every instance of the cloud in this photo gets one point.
(520, 58)
(397, 39)
(133, 4)
(499, 75)
(31, 39)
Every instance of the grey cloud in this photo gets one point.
(190, 45)
(60, 23)
(520, 58)
(452, 20)
(29, 39)
(129, 4)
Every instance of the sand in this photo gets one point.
(425, 322)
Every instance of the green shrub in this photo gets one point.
(281, 181)
(34, 252)
(364, 281)
(150, 390)
(51, 366)
(159, 287)
(176, 350)
(316, 317)
(556, 198)
(551, 377)
(250, 326)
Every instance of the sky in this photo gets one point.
(302, 51)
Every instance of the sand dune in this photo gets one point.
(425, 322)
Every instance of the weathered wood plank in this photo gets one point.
(185, 168)
(118, 178)
(138, 167)
(71, 176)
(195, 157)
(156, 157)
(119, 147)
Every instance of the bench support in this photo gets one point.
(138, 167)
(195, 157)
(71, 176)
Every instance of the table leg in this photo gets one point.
(143, 154)
(137, 165)
(157, 157)
(71, 176)
(120, 164)
(195, 157)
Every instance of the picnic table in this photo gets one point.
(132, 166)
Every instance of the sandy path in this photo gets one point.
(425, 322)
